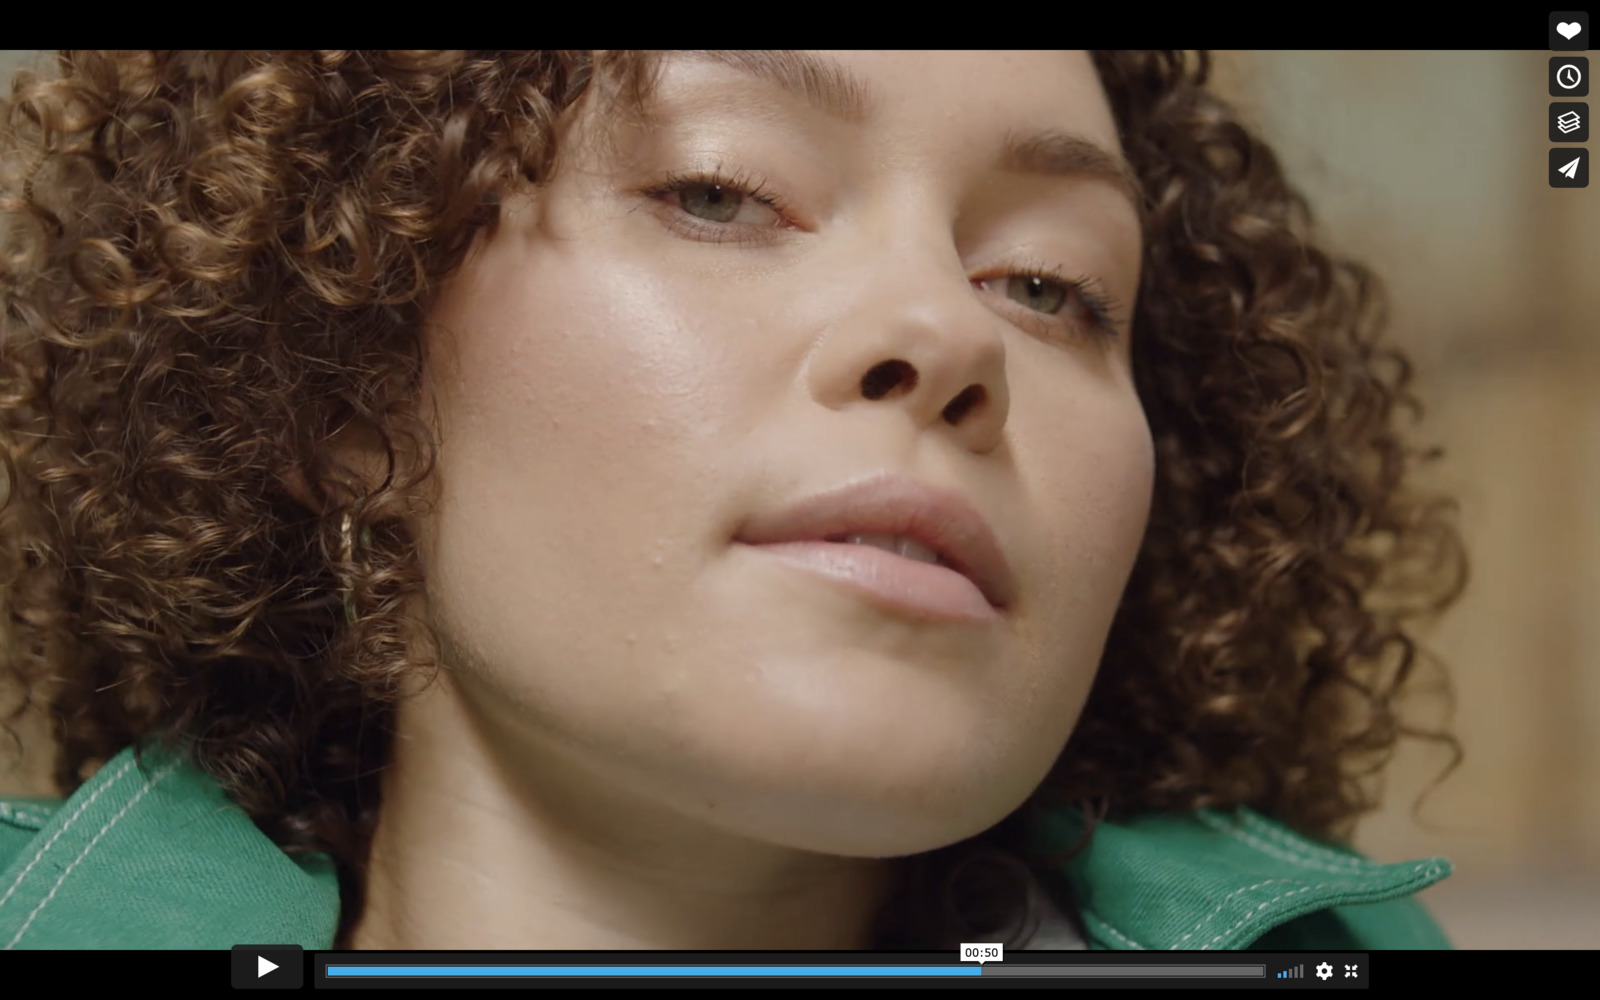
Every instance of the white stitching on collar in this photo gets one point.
(1101, 924)
(1282, 896)
(155, 780)
(1344, 866)
(1224, 905)
(1310, 849)
(111, 782)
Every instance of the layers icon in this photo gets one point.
(1569, 121)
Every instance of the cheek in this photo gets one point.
(548, 418)
(1091, 493)
(590, 409)
(1117, 486)
(573, 377)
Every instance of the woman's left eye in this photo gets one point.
(1037, 292)
(711, 202)
(1080, 304)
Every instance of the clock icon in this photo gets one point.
(1569, 76)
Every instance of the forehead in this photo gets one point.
(1035, 89)
(1054, 89)
(1035, 113)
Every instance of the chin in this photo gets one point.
(881, 830)
(876, 813)
(874, 758)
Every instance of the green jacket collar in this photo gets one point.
(156, 856)
(1213, 881)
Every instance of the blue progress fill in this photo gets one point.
(654, 970)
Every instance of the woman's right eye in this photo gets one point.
(711, 202)
(721, 202)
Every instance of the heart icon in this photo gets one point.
(1566, 29)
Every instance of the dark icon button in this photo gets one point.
(1569, 30)
(1569, 168)
(1569, 76)
(268, 967)
(1569, 121)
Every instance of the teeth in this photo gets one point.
(898, 544)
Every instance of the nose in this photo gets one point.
(936, 356)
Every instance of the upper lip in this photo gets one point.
(939, 518)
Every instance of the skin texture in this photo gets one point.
(647, 735)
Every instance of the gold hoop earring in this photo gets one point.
(347, 552)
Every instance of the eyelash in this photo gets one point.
(745, 184)
(1100, 306)
(1102, 309)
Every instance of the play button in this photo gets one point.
(268, 967)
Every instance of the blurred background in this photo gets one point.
(1433, 167)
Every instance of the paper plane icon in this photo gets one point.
(1571, 169)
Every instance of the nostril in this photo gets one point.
(886, 377)
(966, 401)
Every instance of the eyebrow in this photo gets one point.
(835, 91)
(1053, 153)
(821, 83)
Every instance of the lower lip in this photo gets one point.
(925, 591)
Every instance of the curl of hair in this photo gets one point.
(211, 263)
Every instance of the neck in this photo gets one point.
(491, 846)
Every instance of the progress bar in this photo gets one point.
(611, 971)
(487, 970)
(750, 971)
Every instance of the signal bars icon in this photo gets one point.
(1298, 972)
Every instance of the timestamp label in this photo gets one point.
(982, 953)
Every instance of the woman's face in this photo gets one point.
(801, 301)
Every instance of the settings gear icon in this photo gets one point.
(1324, 971)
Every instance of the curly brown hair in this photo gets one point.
(211, 263)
